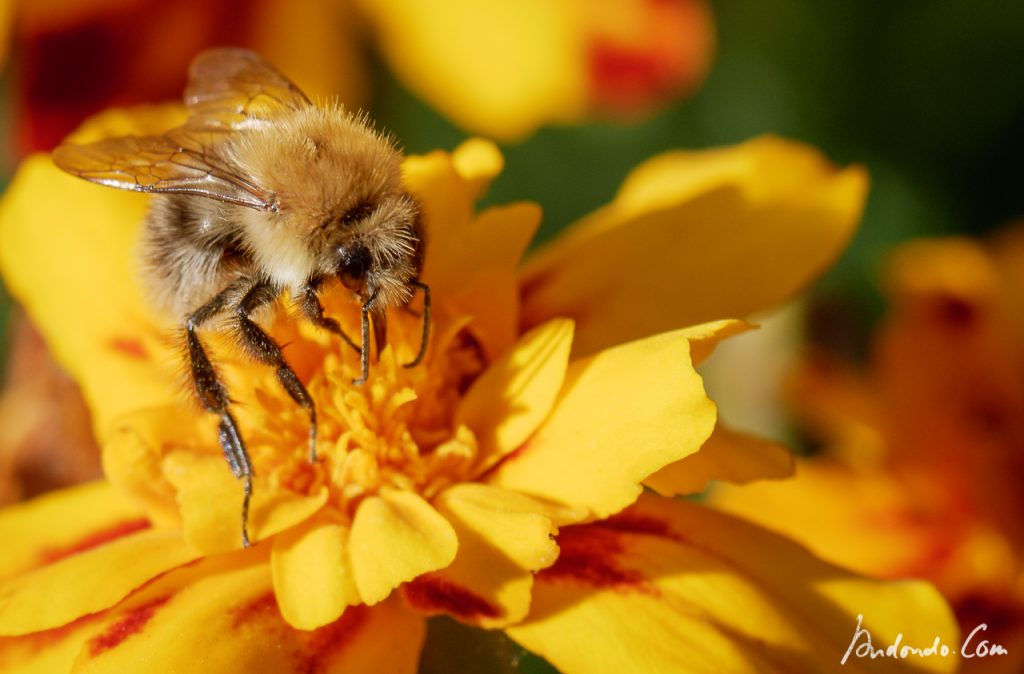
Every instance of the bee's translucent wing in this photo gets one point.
(181, 161)
(233, 88)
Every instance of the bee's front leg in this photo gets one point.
(311, 308)
(263, 348)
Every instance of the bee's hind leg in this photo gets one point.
(260, 346)
(214, 398)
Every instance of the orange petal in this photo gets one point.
(481, 279)
(471, 261)
(504, 538)
(312, 575)
(622, 415)
(696, 236)
(85, 582)
(49, 651)
(63, 523)
(53, 229)
(223, 612)
(211, 503)
(478, 161)
(863, 520)
(642, 54)
(133, 456)
(396, 537)
(704, 338)
(727, 455)
(669, 586)
(508, 402)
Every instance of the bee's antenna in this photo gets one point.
(426, 324)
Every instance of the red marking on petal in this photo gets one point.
(638, 524)
(127, 346)
(433, 594)
(667, 57)
(316, 650)
(131, 623)
(592, 554)
(94, 540)
(38, 641)
(326, 642)
(956, 312)
(259, 609)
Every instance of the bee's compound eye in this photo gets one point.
(353, 263)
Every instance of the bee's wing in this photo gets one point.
(233, 88)
(182, 161)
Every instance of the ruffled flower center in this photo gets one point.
(397, 431)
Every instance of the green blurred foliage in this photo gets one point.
(454, 647)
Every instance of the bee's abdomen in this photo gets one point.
(189, 251)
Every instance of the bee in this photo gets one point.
(261, 193)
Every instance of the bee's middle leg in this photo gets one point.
(264, 349)
(214, 398)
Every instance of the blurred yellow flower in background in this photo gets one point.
(501, 69)
(531, 418)
(505, 68)
(921, 476)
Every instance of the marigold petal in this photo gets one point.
(622, 414)
(479, 278)
(509, 401)
(395, 537)
(723, 232)
(471, 261)
(478, 161)
(533, 70)
(27, 601)
(53, 229)
(312, 575)
(504, 537)
(863, 520)
(59, 523)
(222, 610)
(729, 456)
(133, 456)
(210, 499)
(669, 586)
(49, 651)
(704, 338)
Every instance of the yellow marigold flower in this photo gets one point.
(505, 68)
(499, 482)
(925, 450)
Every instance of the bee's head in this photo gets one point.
(374, 249)
(353, 264)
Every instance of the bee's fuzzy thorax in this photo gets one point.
(319, 163)
(318, 159)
